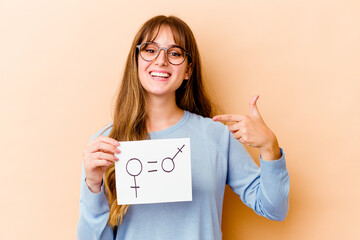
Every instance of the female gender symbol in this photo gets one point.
(135, 170)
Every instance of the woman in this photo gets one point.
(162, 96)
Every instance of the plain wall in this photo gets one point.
(61, 64)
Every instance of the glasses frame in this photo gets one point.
(138, 47)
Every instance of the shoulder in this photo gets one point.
(208, 128)
(105, 131)
(206, 123)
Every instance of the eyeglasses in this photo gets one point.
(175, 55)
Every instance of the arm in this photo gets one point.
(94, 214)
(265, 190)
(94, 207)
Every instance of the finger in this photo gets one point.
(234, 127)
(102, 146)
(228, 118)
(106, 140)
(241, 140)
(100, 163)
(237, 135)
(103, 156)
(253, 107)
(109, 140)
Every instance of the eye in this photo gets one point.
(175, 54)
(149, 48)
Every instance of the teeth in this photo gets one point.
(157, 74)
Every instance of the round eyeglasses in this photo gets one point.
(175, 55)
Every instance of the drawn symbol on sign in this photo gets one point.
(134, 168)
(169, 167)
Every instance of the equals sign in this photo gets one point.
(154, 169)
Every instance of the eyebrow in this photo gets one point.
(169, 46)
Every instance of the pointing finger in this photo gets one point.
(228, 118)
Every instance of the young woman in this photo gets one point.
(161, 97)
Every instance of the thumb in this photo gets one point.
(253, 108)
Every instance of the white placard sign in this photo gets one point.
(153, 171)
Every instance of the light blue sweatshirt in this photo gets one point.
(216, 159)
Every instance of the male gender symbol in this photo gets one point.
(171, 161)
(134, 170)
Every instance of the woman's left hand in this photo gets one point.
(252, 130)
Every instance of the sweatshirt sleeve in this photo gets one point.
(94, 208)
(264, 189)
(94, 214)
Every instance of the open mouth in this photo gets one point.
(160, 74)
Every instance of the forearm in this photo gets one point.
(94, 215)
(274, 184)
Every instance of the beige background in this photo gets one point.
(61, 62)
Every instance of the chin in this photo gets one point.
(160, 92)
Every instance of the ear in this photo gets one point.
(188, 71)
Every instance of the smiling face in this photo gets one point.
(158, 77)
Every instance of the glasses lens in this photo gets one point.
(176, 55)
(149, 51)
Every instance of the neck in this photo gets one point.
(162, 113)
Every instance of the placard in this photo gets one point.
(153, 171)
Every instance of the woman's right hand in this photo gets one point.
(98, 155)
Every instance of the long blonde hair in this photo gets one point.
(130, 110)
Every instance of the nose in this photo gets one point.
(161, 58)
